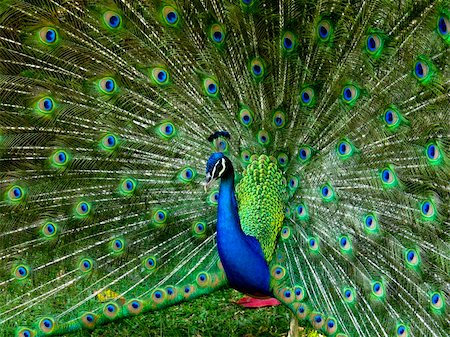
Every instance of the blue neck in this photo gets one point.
(241, 255)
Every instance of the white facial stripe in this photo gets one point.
(214, 170)
(223, 169)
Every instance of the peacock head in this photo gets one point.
(217, 166)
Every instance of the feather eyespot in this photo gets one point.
(48, 35)
(437, 301)
(211, 87)
(86, 265)
(263, 137)
(199, 228)
(149, 263)
(82, 209)
(109, 142)
(257, 68)
(45, 105)
(412, 258)
(25, 332)
(313, 244)
(135, 306)
(302, 311)
(324, 30)
(111, 310)
(443, 27)
(299, 293)
(288, 42)
(302, 211)
(374, 45)
(317, 320)
(107, 85)
(245, 117)
(117, 246)
(388, 177)
(213, 198)
(349, 295)
(433, 153)
(89, 320)
(127, 186)
(279, 119)
(46, 325)
(331, 326)
(428, 210)
(305, 153)
(278, 272)
(112, 19)
(166, 130)
(21, 272)
(344, 149)
(160, 76)
(370, 224)
(345, 244)
(402, 330)
(285, 233)
(377, 290)
(170, 16)
(60, 158)
(49, 230)
(217, 34)
(307, 96)
(15, 194)
(350, 94)
(327, 192)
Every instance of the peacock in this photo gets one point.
(155, 151)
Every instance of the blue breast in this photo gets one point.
(241, 255)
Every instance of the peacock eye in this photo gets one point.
(127, 186)
(107, 85)
(21, 272)
(109, 142)
(25, 332)
(344, 149)
(245, 156)
(374, 44)
(59, 158)
(49, 229)
(211, 87)
(86, 265)
(350, 94)
(217, 34)
(282, 159)
(117, 246)
(83, 209)
(349, 295)
(112, 19)
(160, 217)
(305, 153)
(402, 331)
(170, 15)
(327, 192)
(377, 290)
(263, 137)
(421, 70)
(245, 116)
(313, 244)
(288, 41)
(15, 194)
(345, 244)
(166, 130)
(324, 30)
(331, 326)
(187, 175)
(307, 96)
(111, 310)
(89, 319)
(257, 68)
(388, 177)
(48, 35)
(46, 325)
(279, 119)
(160, 76)
(443, 27)
(45, 105)
(293, 184)
(437, 301)
(427, 209)
(433, 153)
(412, 258)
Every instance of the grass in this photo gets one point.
(214, 315)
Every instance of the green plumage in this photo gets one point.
(105, 111)
(260, 195)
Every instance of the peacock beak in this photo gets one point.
(209, 181)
